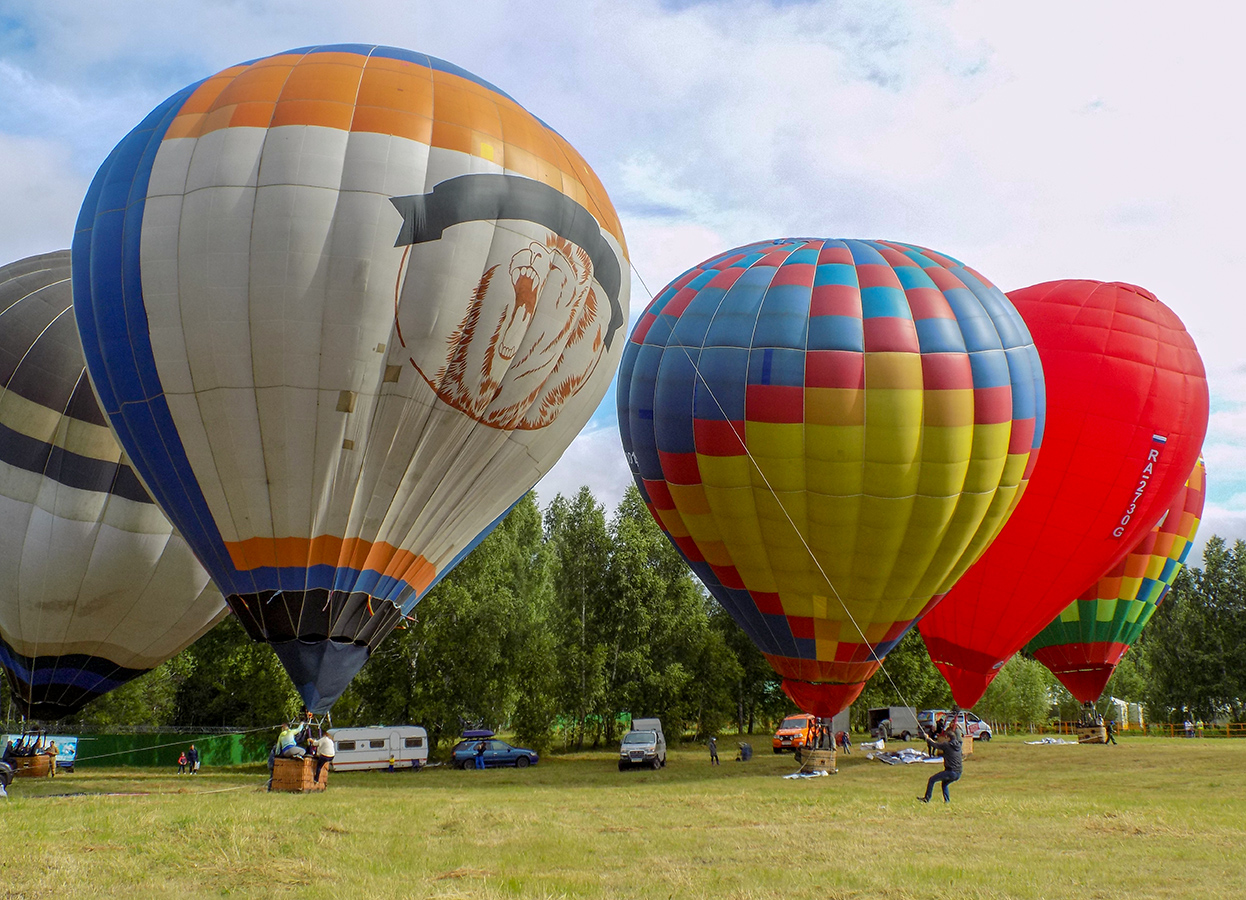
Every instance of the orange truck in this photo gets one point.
(793, 733)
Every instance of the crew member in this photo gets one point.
(950, 747)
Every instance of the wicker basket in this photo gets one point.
(298, 776)
(36, 766)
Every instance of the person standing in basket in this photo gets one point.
(950, 747)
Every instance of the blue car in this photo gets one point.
(496, 753)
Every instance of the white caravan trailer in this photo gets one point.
(375, 746)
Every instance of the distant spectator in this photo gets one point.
(181, 763)
(844, 742)
(713, 742)
(192, 760)
(1110, 732)
(52, 751)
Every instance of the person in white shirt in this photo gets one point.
(325, 751)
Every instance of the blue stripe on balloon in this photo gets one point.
(835, 273)
(836, 333)
(112, 323)
(884, 302)
(726, 369)
(914, 277)
(77, 677)
(777, 367)
(940, 336)
(1024, 399)
(990, 369)
(976, 325)
(865, 253)
(672, 402)
(784, 312)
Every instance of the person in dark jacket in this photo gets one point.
(950, 747)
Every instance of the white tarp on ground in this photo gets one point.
(904, 757)
(1051, 740)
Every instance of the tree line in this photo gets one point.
(560, 625)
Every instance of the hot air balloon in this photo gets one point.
(1127, 410)
(343, 306)
(98, 587)
(830, 432)
(1083, 645)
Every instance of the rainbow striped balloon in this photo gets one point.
(1083, 645)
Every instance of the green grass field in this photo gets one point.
(1150, 818)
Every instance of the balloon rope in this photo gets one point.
(880, 660)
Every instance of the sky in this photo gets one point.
(1034, 142)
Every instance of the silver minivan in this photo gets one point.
(644, 745)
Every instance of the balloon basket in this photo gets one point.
(818, 762)
(36, 766)
(1092, 734)
(298, 776)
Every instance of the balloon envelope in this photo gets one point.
(344, 305)
(1083, 645)
(98, 587)
(1127, 408)
(830, 432)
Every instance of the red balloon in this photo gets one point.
(1127, 409)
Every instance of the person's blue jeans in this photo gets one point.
(945, 778)
(480, 761)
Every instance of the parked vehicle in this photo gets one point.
(496, 753)
(891, 722)
(644, 745)
(970, 724)
(795, 732)
(374, 747)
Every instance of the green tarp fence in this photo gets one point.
(97, 750)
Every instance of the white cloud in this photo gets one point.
(1229, 524)
(595, 458)
(40, 194)
(1034, 142)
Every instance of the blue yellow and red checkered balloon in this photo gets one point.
(830, 432)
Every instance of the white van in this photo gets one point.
(374, 747)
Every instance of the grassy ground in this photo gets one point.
(1150, 818)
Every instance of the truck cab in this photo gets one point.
(643, 746)
(793, 733)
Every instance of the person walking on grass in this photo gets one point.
(950, 747)
(713, 742)
(1110, 733)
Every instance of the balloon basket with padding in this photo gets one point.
(1092, 734)
(298, 776)
(818, 761)
(36, 766)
